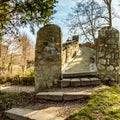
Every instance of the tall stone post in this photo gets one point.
(108, 54)
(48, 57)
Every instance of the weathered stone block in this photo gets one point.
(55, 82)
(75, 82)
(75, 96)
(65, 82)
(85, 82)
(95, 81)
(114, 46)
(19, 113)
(101, 67)
(108, 56)
(102, 61)
(108, 61)
(110, 68)
(110, 41)
(110, 50)
(49, 83)
(113, 56)
(116, 68)
(101, 54)
(116, 56)
(55, 96)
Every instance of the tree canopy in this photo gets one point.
(17, 13)
(87, 17)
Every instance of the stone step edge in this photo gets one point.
(77, 82)
(80, 79)
(29, 114)
(18, 114)
(72, 75)
(62, 96)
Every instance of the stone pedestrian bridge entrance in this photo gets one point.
(83, 62)
(55, 61)
(72, 66)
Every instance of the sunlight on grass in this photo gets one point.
(103, 105)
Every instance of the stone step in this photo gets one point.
(63, 96)
(18, 114)
(80, 82)
(67, 94)
(46, 114)
(29, 114)
(81, 74)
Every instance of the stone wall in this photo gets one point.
(48, 57)
(69, 49)
(108, 53)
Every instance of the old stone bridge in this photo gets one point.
(70, 65)
(55, 61)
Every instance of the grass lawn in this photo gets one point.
(7, 100)
(103, 105)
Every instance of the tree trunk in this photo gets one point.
(0, 40)
(110, 15)
(108, 4)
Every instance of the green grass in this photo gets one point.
(103, 105)
(7, 100)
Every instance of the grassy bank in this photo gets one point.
(103, 105)
(7, 100)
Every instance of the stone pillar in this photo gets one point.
(48, 57)
(108, 53)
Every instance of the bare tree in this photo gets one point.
(16, 52)
(8, 49)
(4, 57)
(26, 49)
(86, 18)
(108, 4)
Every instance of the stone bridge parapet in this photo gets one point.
(69, 49)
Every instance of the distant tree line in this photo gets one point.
(17, 13)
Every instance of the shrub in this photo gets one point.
(27, 81)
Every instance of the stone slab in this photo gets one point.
(85, 82)
(65, 82)
(84, 92)
(95, 81)
(55, 96)
(28, 114)
(75, 82)
(59, 96)
(18, 114)
(78, 74)
(75, 95)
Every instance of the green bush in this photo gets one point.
(23, 81)
(29, 72)
(18, 78)
(27, 80)
(1, 80)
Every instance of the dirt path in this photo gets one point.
(61, 110)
